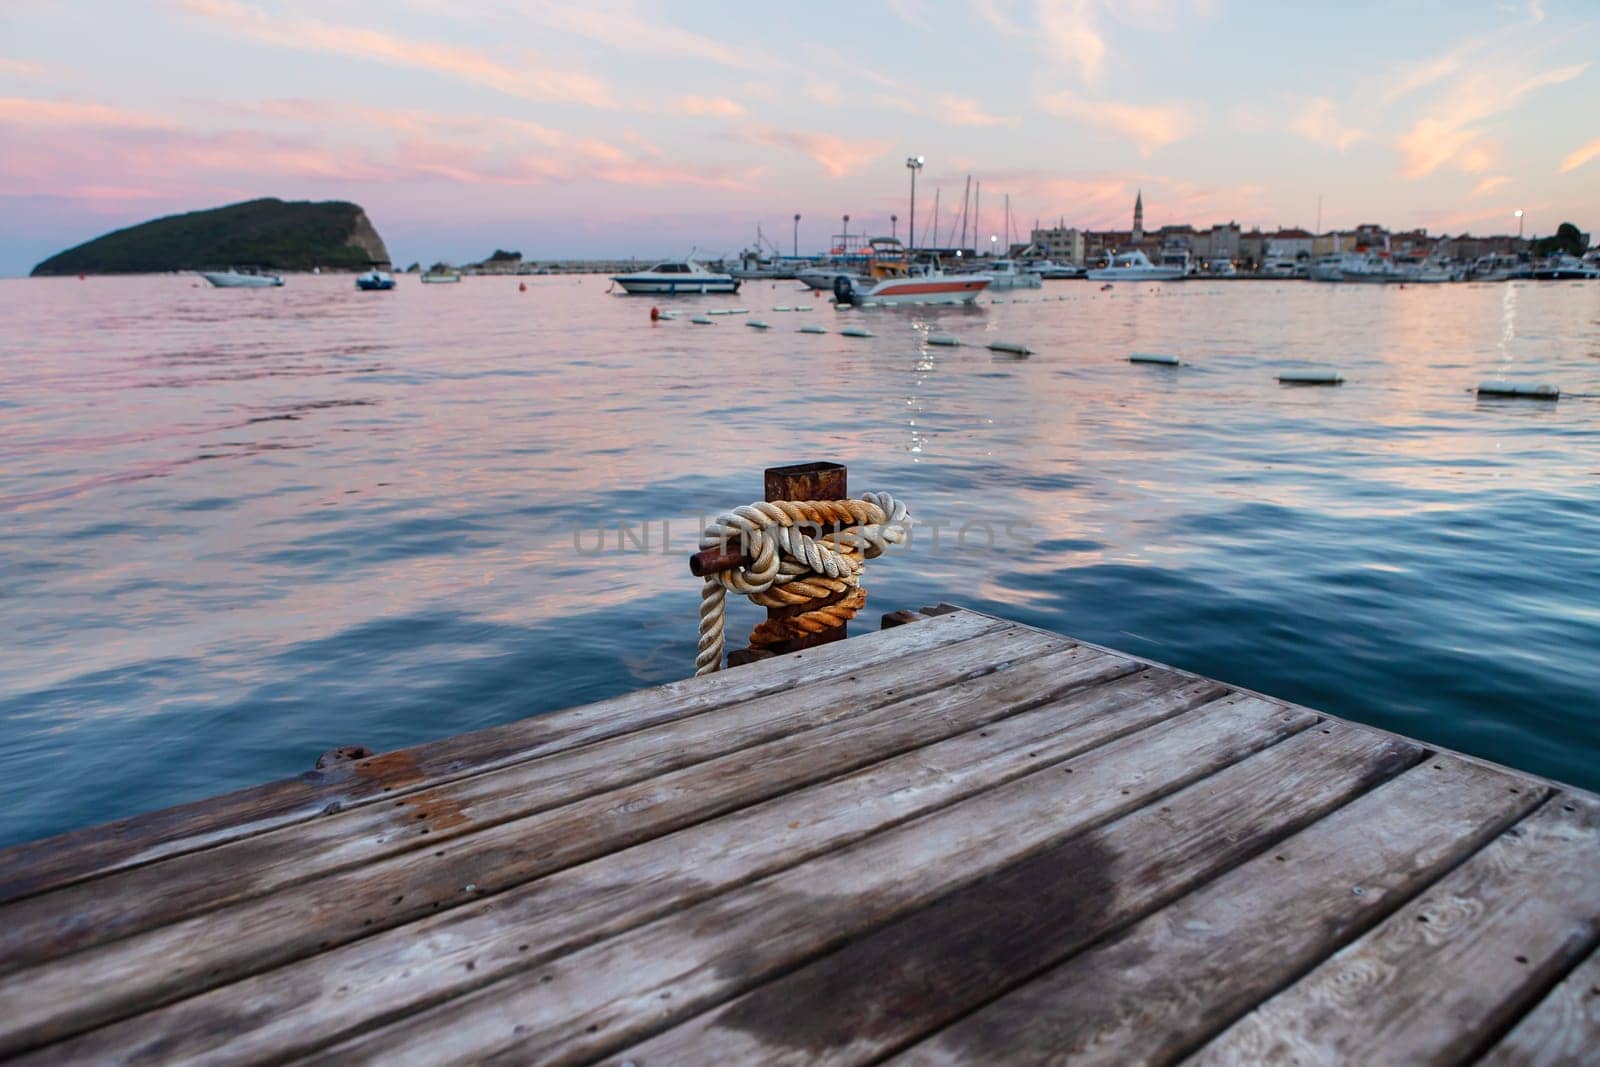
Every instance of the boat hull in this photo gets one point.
(665, 287)
(956, 290)
(228, 280)
(1136, 274)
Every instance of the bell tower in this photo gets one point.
(1138, 216)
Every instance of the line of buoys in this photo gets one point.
(948, 340)
(1524, 390)
(1010, 348)
(812, 329)
(1153, 357)
(701, 320)
(1310, 377)
(855, 331)
(756, 324)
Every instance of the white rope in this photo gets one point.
(784, 565)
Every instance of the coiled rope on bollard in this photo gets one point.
(784, 566)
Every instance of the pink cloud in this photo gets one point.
(24, 112)
(464, 64)
(717, 106)
(1580, 157)
(1149, 127)
(960, 111)
(837, 156)
(1319, 121)
(1454, 135)
(1490, 184)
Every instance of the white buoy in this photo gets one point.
(1310, 377)
(1014, 348)
(756, 324)
(949, 340)
(869, 303)
(669, 315)
(1153, 357)
(1526, 390)
(994, 301)
(855, 331)
(802, 307)
(719, 311)
(738, 311)
(812, 329)
(780, 307)
(701, 320)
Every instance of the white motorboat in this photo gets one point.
(1564, 267)
(1363, 267)
(1431, 271)
(1496, 268)
(1221, 268)
(1135, 266)
(821, 278)
(1005, 274)
(441, 277)
(677, 277)
(1052, 271)
(919, 285)
(233, 278)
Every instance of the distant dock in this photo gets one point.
(959, 839)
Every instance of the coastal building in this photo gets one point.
(1062, 243)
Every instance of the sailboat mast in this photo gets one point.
(1008, 224)
(977, 216)
(966, 201)
(936, 193)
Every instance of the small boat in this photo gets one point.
(375, 281)
(441, 277)
(1004, 274)
(681, 276)
(1135, 266)
(1564, 267)
(234, 278)
(1052, 271)
(1364, 267)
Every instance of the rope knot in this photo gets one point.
(805, 555)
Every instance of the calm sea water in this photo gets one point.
(243, 527)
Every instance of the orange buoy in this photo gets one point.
(655, 314)
(522, 287)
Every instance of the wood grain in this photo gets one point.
(1501, 927)
(1563, 1030)
(1170, 982)
(611, 993)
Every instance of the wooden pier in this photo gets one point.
(957, 840)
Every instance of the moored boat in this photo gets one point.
(441, 277)
(1363, 267)
(895, 280)
(1563, 267)
(677, 277)
(1135, 266)
(374, 281)
(234, 278)
(1052, 271)
(1005, 274)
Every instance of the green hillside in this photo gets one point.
(271, 233)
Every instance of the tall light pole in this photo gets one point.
(994, 239)
(845, 244)
(913, 164)
(797, 235)
(894, 226)
(1518, 214)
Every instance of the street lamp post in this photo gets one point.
(1518, 213)
(894, 226)
(845, 247)
(993, 240)
(913, 164)
(797, 235)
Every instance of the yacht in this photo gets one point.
(682, 276)
(233, 278)
(1495, 268)
(894, 279)
(1005, 274)
(1135, 266)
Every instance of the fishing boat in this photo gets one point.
(374, 281)
(1135, 266)
(677, 277)
(441, 277)
(234, 278)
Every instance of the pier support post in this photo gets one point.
(802, 481)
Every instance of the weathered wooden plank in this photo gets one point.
(615, 991)
(947, 959)
(41, 865)
(1563, 1030)
(288, 1011)
(1173, 980)
(1448, 971)
(141, 898)
(109, 981)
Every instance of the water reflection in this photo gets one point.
(273, 522)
